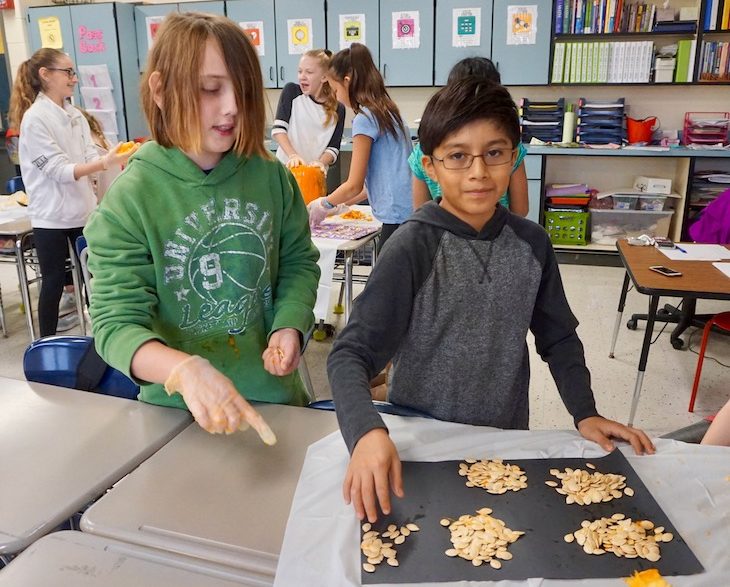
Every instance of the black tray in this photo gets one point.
(435, 491)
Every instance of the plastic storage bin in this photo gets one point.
(652, 202)
(625, 202)
(567, 228)
(610, 225)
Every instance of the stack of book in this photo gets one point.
(684, 71)
(542, 120)
(705, 187)
(567, 196)
(602, 62)
(715, 61)
(601, 123)
(675, 26)
(582, 17)
(717, 15)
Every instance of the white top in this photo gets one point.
(688, 481)
(64, 448)
(220, 498)
(53, 140)
(84, 560)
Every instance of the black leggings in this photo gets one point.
(51, 244)
(386, 232)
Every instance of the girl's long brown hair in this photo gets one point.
(323, 57)
(28, 83)
(367, 88)
(177, 55)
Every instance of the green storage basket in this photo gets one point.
(567, 228)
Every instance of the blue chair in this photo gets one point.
(71, 361)
(14, 184)
(382, 407)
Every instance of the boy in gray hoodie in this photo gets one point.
(451, 299)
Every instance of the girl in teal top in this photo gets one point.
(425, 189)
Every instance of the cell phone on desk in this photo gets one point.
(665, 271)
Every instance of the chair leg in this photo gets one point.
(306, 379)
(700, 360)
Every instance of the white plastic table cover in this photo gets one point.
(320, 548)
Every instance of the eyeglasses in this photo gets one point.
(70, 72)
(491, 158)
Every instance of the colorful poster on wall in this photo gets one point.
(50, 29)
(152, 23)
(300, 35)
(406, 28)
(255, 31)
(521, 25)
(352, 30)
(466, 27)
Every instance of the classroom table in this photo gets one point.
(15, 225)
(699, 280)
(83, 560)
(222, 499)
(321, 544)
(62, 448)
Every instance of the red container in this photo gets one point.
(640, 131)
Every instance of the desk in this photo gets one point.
(84, 560)
(15, 224)
(63, 448)
(222, 499)
(699, 280)
(320, 546)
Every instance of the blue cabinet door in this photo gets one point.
(257, 18)
(129, 69)
(42, 17)
(207, 7)
(147, 19)
(406, 42)
(534, 199)
(95, 43)
(299, 27)
(461, 23)
(337, 13)
(522, 64)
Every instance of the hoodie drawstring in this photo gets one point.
(484, 262)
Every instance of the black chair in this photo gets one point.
(683, 316)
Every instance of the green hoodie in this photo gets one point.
(208, 264)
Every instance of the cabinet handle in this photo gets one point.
(271, 72)
(385, 71)
(281, 72)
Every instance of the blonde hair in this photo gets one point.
(28, 83)
(323, 57)
(95, 127)
(177, 56)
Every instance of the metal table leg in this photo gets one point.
(619, 317)
(23, 282)
(348, 284)
(653, 304)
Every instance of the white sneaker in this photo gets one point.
(67, 322)
(67, 304)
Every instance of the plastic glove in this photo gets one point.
(115, 158)
(294, 161)
(213, 400)
(321, 165)
(318, 212)
(281, 357)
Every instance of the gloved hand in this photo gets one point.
(116, 159)
(322, 166)
(294, 161)
(282, 355)
(318, 212)
(213, 400)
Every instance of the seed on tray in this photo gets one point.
(412, 527)
(586, 487)
(368, 568)
(376, 551)
(621, 536)
(494, 476)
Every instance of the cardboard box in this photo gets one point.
(653, 185)
(689, 13)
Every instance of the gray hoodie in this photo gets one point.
(451, 307)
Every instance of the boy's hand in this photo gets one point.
(374, 471)
(600, 430)
(281, 357)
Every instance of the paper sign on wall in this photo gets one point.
(300, 35)
(466, 27)
(406, 28)
(352, 29)
(98, 98)
(107, 119)
(95, 76)
(152, 23)
(50, 29)
(255, 31)
(521, 25)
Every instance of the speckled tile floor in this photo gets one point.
(593, 294)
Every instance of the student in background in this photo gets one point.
(309, 120)
(57, 156)
(425, 189)
(435, 304)
(380, 144)
(103, 179)
(205, 274)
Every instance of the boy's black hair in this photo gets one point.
(458, 104)
(479, 66)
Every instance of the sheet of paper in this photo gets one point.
(692, 252)
(724, 267)
(98, 98)
(107, 119)
(95, 76)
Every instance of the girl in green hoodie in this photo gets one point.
(205, 274)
